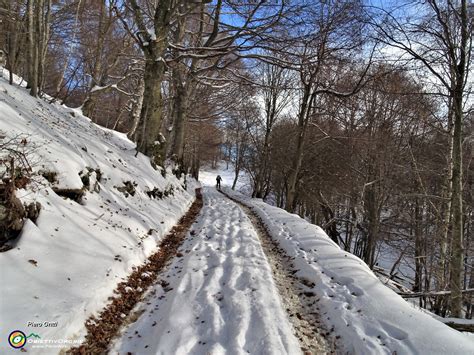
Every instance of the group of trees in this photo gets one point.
(377, 151)
(355, 116)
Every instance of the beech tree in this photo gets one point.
(192, 58)
(152, 35)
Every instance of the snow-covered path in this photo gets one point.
(219, 295)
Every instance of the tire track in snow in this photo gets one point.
(296, 296)
(220, 296)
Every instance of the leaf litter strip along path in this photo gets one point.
(296, 294)
(101, 330)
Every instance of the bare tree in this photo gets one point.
(274, 87)
(334, 35)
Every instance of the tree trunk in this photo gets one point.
(446, 212)
(303, 118)
(331, 226)
(456, 203)
(59, 84)
(417, 287)
(137, 108)
(179, 111)
(295, 169)
(237, 164)
(32, 50)
(148, 133)
(263, 168)
(96, 79)
(371, 208)
(149, 139)
(44, 37)
(37, 41)
(12, 44)
(456, 264)
(236, 177)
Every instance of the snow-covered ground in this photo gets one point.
(207, 176)
(368, 317)
(63, 268)
(220, 297)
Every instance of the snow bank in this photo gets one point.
(368, 317)
(63, 268)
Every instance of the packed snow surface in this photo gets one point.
(221, 298)
(63, 268)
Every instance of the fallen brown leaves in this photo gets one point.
(101, 329)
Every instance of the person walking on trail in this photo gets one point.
(218, 179)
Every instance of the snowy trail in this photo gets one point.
(295, 293)
(219, 296)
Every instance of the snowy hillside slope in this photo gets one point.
(366, 316)
(63, 268)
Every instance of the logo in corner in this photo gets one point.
(33, 335)
(17, 339)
